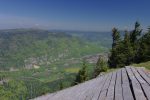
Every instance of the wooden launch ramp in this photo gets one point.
(129, 83)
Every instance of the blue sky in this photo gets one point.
(87, 15)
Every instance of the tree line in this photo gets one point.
(133, 48)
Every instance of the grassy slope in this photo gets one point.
(144, 64)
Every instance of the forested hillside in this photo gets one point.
(24, 48)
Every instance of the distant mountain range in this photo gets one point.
(104, 38)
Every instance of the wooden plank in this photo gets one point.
(111, 89)
(146, 89)
(139, 95)
(78, 92)
(45, 97)
(92, 89)
(143, 83)
(73, 92)
(127, 94)
(137, 75)
(125, 79)
(87, 89)
(105, 88)
(143, 74)
(103, 95)
(99, 89)
(118, 87)
(130, 74)
(106, 85)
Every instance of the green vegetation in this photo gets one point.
(15, 90)
(24, 48)
(36, 62)
(72, 70)
(36, 82)
(82, 74)
(133, 48)
(101, 66)
(143, 64)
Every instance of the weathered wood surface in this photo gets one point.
(128, 83)
(127, 94)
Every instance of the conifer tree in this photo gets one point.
(101, 66)
(143, 53)
(60, 85)
(128, 49)
(135, 33)
(132, 49)
(82, 74)
(134, 38)
(116, 37)
(116, 40)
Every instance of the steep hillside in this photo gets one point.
(35, 47)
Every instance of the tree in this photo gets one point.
(13, 90)
(116, 37)
(135, 33)
(101, 66)
(134, 38)
(125, 52)
(134, 48)
(143, 53)
(61, 85)
(128, 49)
(82, 74)
(114, 51)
